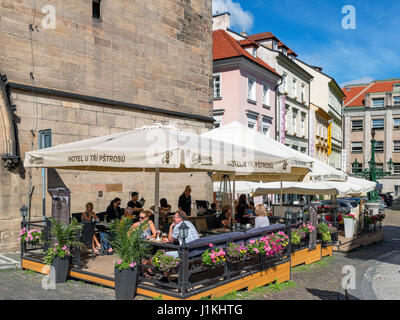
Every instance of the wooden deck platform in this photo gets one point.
(101, 271)
(306, 256)
(345, 244)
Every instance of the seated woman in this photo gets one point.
(149, 229)
(165, 209)
(88, 216)
(225, 219)
(262, 216)
(149, 232)
(129, 213)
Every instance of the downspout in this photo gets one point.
(276, 109)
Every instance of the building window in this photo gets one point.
(356, 168)
(295, 147)
(294, 120)
(378, 124)
(294, 88)
(379, 146)
(396, 123)
(396, 101)
(251, 89)
(274, 45)
(251, 121)
(266, 94)
(217, 86)
(303, 93)
(396, 168)
(356, 125)
(396, 146)
(378, 102)
(356, 147)
(303, 126)
(96, 9)
(284, 82)
(265, 126)
(44, 139)
(254, 52)
(303, 150)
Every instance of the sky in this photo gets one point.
(313, 29)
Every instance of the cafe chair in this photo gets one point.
(87, 234)
(77, 216)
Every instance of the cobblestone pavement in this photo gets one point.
(319, 281)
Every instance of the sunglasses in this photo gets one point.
(142, 217)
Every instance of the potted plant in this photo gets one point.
(349, 223)
(240, 255)
(131, 250)
(59, 253)
(165, 263)
(30, 237)
(212, 264)
(324, 232)
(295, 239)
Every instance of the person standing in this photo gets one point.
(241, 209)
(185, 201)
(135, 205)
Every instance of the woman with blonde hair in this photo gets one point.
(262, 218)
(149, 229)
(89, 216)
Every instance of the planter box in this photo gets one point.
(207, 273)
(326, 250)
(306, 256)
(239, 265)
(125, 283)
(60, 267)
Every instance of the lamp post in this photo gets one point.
(183, 232)
(24, 212)
(373, 174)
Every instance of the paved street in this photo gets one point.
(377, 276)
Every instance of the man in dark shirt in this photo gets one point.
(135, 204)
(185, 201)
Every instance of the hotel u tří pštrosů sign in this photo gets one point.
(246, 163)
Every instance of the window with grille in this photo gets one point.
(396, 168)
(44, 139)
(356, 147)
(396, 101)
(357, 167)
(356, 125)
(378, 124)
(379, 146)
(217, 86)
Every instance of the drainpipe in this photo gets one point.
(276, 109)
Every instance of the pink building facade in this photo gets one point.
(244, 86)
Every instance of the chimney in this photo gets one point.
(221, 21)
(243, 33)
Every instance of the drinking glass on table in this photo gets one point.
(164, 236)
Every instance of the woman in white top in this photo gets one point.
(261, 219)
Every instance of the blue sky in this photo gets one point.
(313, 29)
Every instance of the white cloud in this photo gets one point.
(363, 80)
(240, 18)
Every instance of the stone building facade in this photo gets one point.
(374, 105)
(121, 66)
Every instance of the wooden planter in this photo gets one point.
(306, 256)
(326, 250)
(239, 265)
(207, 273)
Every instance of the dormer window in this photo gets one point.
(274, 45)
(284, 51)
(254, 52)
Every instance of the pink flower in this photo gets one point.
(64, 247)
(210, 245)
(119, 262)
(132, 264)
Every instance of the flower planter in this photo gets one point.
(238, 265)
(349, 228)
(125, 283)
(207, 273)
(60, 267)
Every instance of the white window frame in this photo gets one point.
(394, 123)
(251, 95)
(357, 128)
(380, 105)
(396, 101)
(294, 120)
(380, 145)
(360, 146)
(303, 126)
(303, 92)
(266, 94)
(294, 87)
(220, 85)
(396, 145)
(378, 127)
(394, 168)
(285, 82)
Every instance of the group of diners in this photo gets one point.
(244, 211)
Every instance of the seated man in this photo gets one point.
(173, 234)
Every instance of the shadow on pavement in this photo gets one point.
(330, 295)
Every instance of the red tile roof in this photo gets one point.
(248, 43)
(225, 46)
(269, 35)
(356, 94)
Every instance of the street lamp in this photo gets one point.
(23, 211)
(183, 232)
(373, 174)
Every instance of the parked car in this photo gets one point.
(387, 197)
(345, 205)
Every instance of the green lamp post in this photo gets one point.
(373, 174)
